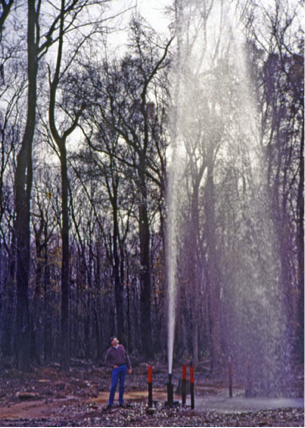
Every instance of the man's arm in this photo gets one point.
(108, 358)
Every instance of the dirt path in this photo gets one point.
(33, 409)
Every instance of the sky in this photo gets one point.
(151, 10)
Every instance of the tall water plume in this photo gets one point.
(175, 174)
(215, 130)
(172, 250)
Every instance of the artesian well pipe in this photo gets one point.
(170, 391)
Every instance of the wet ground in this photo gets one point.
(240, 404)
(47, 397)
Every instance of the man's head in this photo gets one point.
(114, 341)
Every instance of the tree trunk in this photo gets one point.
(36, 345)
(47, 302)
(195, 343)
(300, 237)
(8, 314)
(145, 280)
(61, 144)
(118, 285)
(23, 196)
(213, 271)
(65, 272)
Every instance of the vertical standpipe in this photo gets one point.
(150, 377)
(192, 381)
(170, 391)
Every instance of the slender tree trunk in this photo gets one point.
(97, 335)
(118, 286)
(128, 314)
(23, 196)
(47, 304)
(61, 144)
(145, 280)
(195, 343)
(89, 319)
(213, 270)
(36, 346)
(195, 230)
(8, 310)
(300, 331)
(65, 271)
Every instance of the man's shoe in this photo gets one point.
(122, 405)
(109, 407)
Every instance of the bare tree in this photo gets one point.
(69, 18)
(129, 107)
(23, 192)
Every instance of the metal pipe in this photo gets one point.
(183, 386)
(150, 394)
(170, 391)
(192, 381)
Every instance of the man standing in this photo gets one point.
(117, 358)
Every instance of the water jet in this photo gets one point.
(216, 152)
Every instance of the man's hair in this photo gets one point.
(112, 338)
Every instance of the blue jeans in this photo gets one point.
(118, 373)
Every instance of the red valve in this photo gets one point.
(150, 375)
(192, 374)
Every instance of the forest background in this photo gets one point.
(83, 141)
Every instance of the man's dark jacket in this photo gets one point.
(117, 356)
